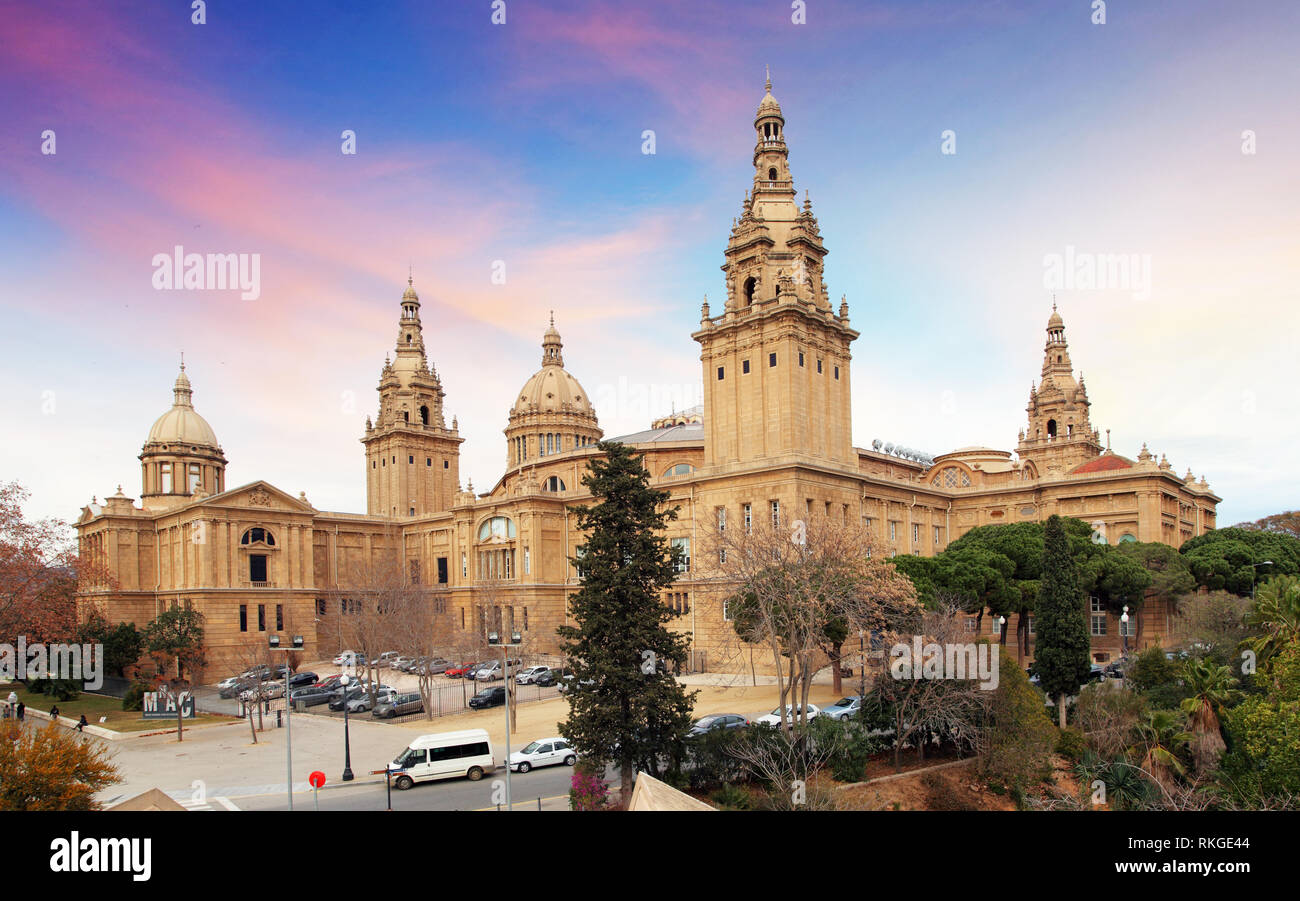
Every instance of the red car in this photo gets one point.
(457, 672)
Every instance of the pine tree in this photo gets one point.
(1061, 653)
(625, 707)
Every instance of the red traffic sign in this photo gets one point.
(316, 779)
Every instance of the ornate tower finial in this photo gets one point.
(767, 70)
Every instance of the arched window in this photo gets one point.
(750, 284)
(1127, 538)
(258, 535)
(1051, 428)
(424, 415)
(496, 527)
(952, 477)
(680, 469)
(771, 175)
(554, 483)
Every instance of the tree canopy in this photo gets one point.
(1234, 559)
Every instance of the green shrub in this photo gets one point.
(710, 761)
(134, 699)
(1071, 744)
(1151, 669)
(731, 797)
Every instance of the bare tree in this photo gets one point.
(800, 589)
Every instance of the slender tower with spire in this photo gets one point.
(412, 458)
(1060, 434)
(776, 361)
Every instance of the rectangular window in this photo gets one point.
(722, 518)
(166, 478)
(257, 568)
(801, 358)
(720, 371)
(726, 611)
(442, 570)
(749, 518)
(776, 514)
(410, 458)
(771, 360)
(722, 556)
(195, 478)
(683, 548)
(428, 461)
(936, 537)
(819, 367)
(580, 552)
(916, 534)
(320, 606)
(446, 464)
(261, 617)
(837, 372)
(1030, 621)
(464, 566)
(243, 617)
(971, 626)
(893, 531)
(1099, 625)
(527, 563)
(279, 617)
(744, 366)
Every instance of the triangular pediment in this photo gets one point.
(259, 495)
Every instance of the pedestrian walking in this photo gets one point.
(82, 724)
(22, 711)
(54, 714)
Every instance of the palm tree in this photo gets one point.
(1213, 687)
(1276, 613)
(1162, 735)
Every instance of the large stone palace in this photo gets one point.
(774, 434)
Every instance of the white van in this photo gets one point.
(443, 755)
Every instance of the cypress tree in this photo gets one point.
(1061, 654)
(625, 707)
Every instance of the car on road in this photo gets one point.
(717, 722)
(844, 708)
(456, 672)
(443, 755)
(310, 696)
(531, 674)
(401, 705)
(791, 714)
(489, 697)
(543, 752)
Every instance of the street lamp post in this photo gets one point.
(1002, 629)
(1253, 575)
(514, 642)
(295, 645)
(347, 742)
(1123, 629)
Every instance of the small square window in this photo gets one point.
(720, 370)
(744, 367)
(771, 360)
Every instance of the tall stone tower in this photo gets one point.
(1060, 435)
(776, 361)
(412, 458)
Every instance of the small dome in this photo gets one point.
(409, 293)
(1055, 321)
(182, 424)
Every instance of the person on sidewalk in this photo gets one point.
(22, 711)
(82, 724)
(54, 714)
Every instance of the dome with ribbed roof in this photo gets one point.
(552, 413)
(182, 424)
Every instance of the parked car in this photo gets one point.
(331, 682)
(543, 752)
(457, 672)
(488, 672)
(717, 722)
(401, 705)
(361, 703)
(266, 691)
(233, 689)
(310, 696)
(791, 712)
(566, 684)
(386, 659)
(350, 658)
(339, 696)
(443, 755)
(489, 697)
(531, 674)
(844, 708)
(401, 663)
(430, 665)
(302, 680)
(552, 676)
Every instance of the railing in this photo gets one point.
(259, 584)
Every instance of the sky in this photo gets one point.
(1168, 134)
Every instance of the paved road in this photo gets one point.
(550, 784)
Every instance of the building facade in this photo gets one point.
(773, 438)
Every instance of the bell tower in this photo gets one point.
(412, 458)
(776, 360)
(1060, 434)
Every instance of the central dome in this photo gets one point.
(552, 413)
(182, 424)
